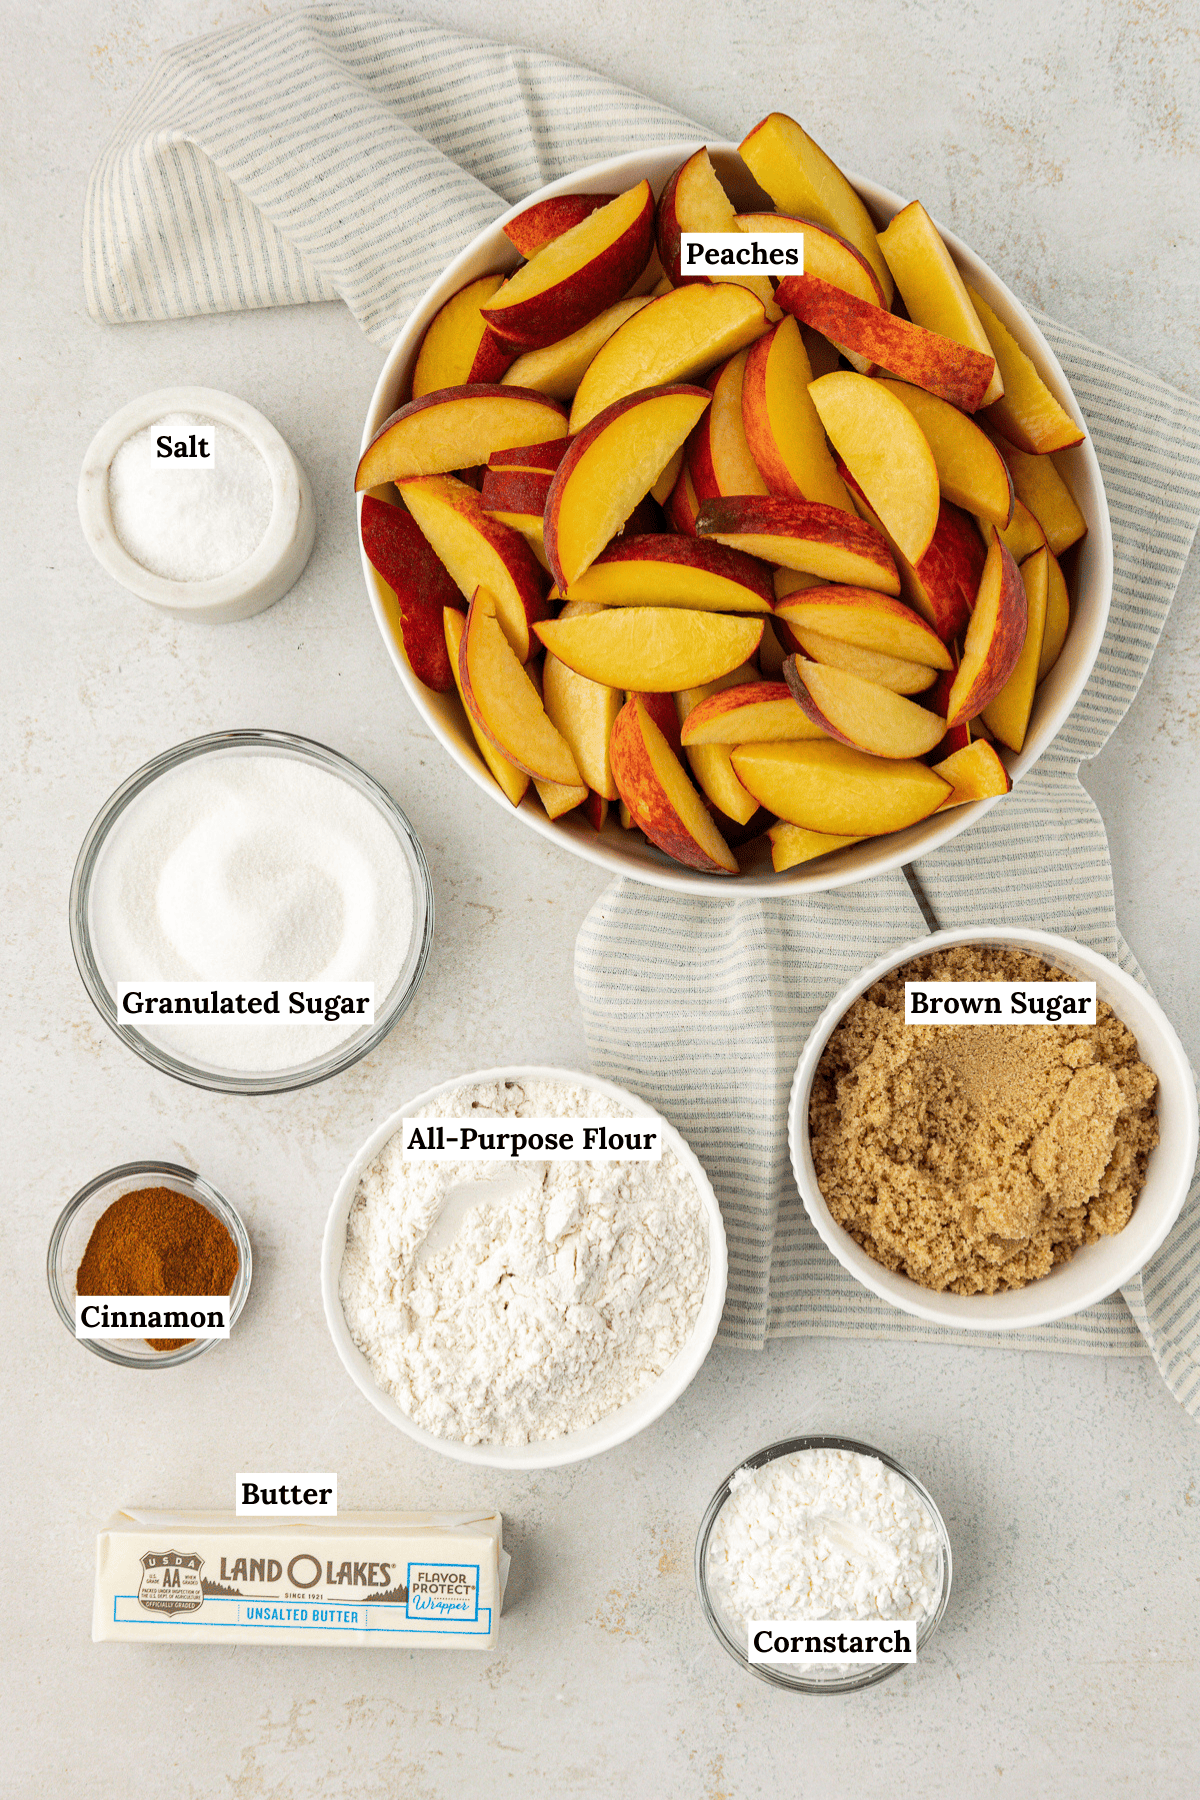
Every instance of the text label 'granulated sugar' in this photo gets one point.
(133, 1315)
(333, 1002)
(707, 252)
(999, 1003)
(831, 1640)
(452, 1140)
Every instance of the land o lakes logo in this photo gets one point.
(171, 1581)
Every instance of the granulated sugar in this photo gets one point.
(566, 1291)
(823, 1534)
(189, 518)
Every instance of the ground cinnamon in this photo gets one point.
(158, 1241)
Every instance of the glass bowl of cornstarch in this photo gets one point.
(820, 1562)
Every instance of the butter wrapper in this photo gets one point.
(407, 1580)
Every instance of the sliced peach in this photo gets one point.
(803, 535)
(516, 496)
(595, 809)
(667, 570)
(925, 358)
(718, 454)
(888, 671)
(453, 338)
(861, 713)
(660, 798)
(584, 712)
(1058, 618)
(792, 844)
(710, 764)
(1028, 415)
(663, 711)
(885, 450)
(827, 786)
(942, 586)
(1007, 714)
(682, 504)
(872, 621)
(418, 587)
(479, 551)
(546, 220)
(934, 292)
(1042, 489)
(505, 703)
(694, 200)
(557, 799)
(802, 180)
(661, 648)
(679, 336)
(558, 368)
(609, 467)
(577, 274)
(540, 457)
(783, 432)
(512, 782)
(1021, 536)
(759, 712)
(826, 254)
(456, 428)
(974, 773)
(822, 355)
(994, 637)
(664, 486)
(971, 471)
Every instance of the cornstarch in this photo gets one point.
(567, 1290)
(823, 1534)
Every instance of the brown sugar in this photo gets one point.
(158, 1241)
(973, 1158)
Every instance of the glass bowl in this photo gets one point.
(841, 1678)
(348, 1050)
(69, 1240)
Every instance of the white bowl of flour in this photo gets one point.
(552, 1318)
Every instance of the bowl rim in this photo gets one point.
(352, 1049)
(856, 863)
(206, 1195)
(778, 1677)
(548, 1453)
(925, 1303)
(272, 567)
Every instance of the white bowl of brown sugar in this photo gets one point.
(993, 1177)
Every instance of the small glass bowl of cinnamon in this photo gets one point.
(127, 1240)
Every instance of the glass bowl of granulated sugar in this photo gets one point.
(523, 1314)
(822, 1544)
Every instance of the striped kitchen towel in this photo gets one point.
(327, 152)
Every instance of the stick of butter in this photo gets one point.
(408, 1580)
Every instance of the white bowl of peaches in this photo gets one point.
(743, 582)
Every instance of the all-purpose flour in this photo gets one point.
(559, 1299)
(823, 1534)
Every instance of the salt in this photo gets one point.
(245, 866)
(192, 518)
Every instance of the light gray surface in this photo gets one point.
(1062, 142)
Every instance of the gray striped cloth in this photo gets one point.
(329, 153)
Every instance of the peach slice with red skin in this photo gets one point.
(1021, 537)
(694, 200)
(832, 258)
(578, 274)
(1007, 715)
(861, 713)
(651, 647)
(510, 494)
(783, 432)
(457, 347)
(1042, 489)
(456, 428)
(803, 180)
(994, 639)
(664, 569)
(719, 456)
(971, 471)
(803, 535)
(933, 291)
(873, 665)
(478, 551)
(558, 368)
(584, 712)
(710, 764)
(974, 773)
(1028, 415)
(512, 782)
(760, 712)
(870, 620)
(609, 468)
(827, 786)
(505, 703)
(660, 798)
(682, 504)
(543, 457)
(678, 337)
(885, 449)
(539, 224)
(399, 552)
(792, 845)
(925, 358)
(663, 711)
(942, 586)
